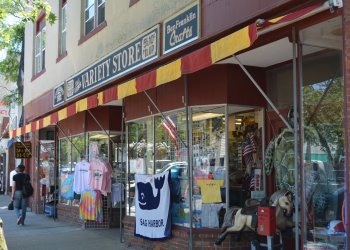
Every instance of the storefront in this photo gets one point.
(258, 111)
(301, 68)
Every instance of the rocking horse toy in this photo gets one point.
(239, 219)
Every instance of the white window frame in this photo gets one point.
(63, 35)
(96, 6)
(39, 49)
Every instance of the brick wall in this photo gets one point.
(346, 44)
(69, 214)
(202, 238)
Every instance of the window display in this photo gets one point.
(209, 150)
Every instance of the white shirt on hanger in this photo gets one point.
(81, 177)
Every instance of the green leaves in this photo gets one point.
(14, 14)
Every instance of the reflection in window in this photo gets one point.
(140, 152)
(209, 149)
(171, 155)
(323, 150)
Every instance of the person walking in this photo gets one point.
(19, 202)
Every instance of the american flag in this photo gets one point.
(169, 125)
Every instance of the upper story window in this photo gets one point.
(40, 37)
(63, 28)
(94, 14)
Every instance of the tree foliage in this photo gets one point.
(14, 14)
(323, 110)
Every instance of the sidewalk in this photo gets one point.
(42, 232)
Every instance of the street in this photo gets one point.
(42, 232)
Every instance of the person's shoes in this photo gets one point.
(19, 220)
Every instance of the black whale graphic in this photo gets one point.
(145, 194)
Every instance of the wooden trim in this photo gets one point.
(132, 2)
(60, 57)
(93, 32)
(40, 16)
(38, 75)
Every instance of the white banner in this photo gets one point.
(153, 219)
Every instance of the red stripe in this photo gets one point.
(71, 110)
(54, 118)
(41, 123)
(196, 60)
(253, 33)
(14, 133)
(110, 95)
(146, 81)
(92, 101)
(23, 130)
(33, 126)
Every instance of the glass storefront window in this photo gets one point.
(98, 145)
(140, 156)
(245, 154)
(323, 149)
(71, 151)
(47, 168)
(65, 172)
(171, 154)
(209, 166)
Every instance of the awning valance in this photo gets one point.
(190, 63)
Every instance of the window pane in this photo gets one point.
(37, 44)
(64, 17)
(101, 14)
(208, 147)
(89, 26)
(65, 172)
(324, 145)
(99, 2)
(63, 42)
(89, 3)
(42, 66)
(171, 155)
(140, 151)
(89, 13)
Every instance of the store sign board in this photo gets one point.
(58, 95)
(182, 28)
(135, 53)
(23, 150)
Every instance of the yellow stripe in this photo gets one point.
(18, 132)
(230, 44)
(275, 20)
(169, 72)
(37, 125)
(11, 134)
(81, 105)
(47, 121)
(126, 89)
(100, 98)
(62, 114)
(28, 128)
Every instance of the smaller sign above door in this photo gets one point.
(181, 28)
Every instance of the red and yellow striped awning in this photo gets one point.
(190, 63)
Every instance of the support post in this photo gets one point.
(296, 169)
(189, 162)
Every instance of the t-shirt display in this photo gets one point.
(210, 190)
(100, 176)
(81, 176)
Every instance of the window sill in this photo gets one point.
(60, 57)
(132, 2)
(92, 33)
(38, 75)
